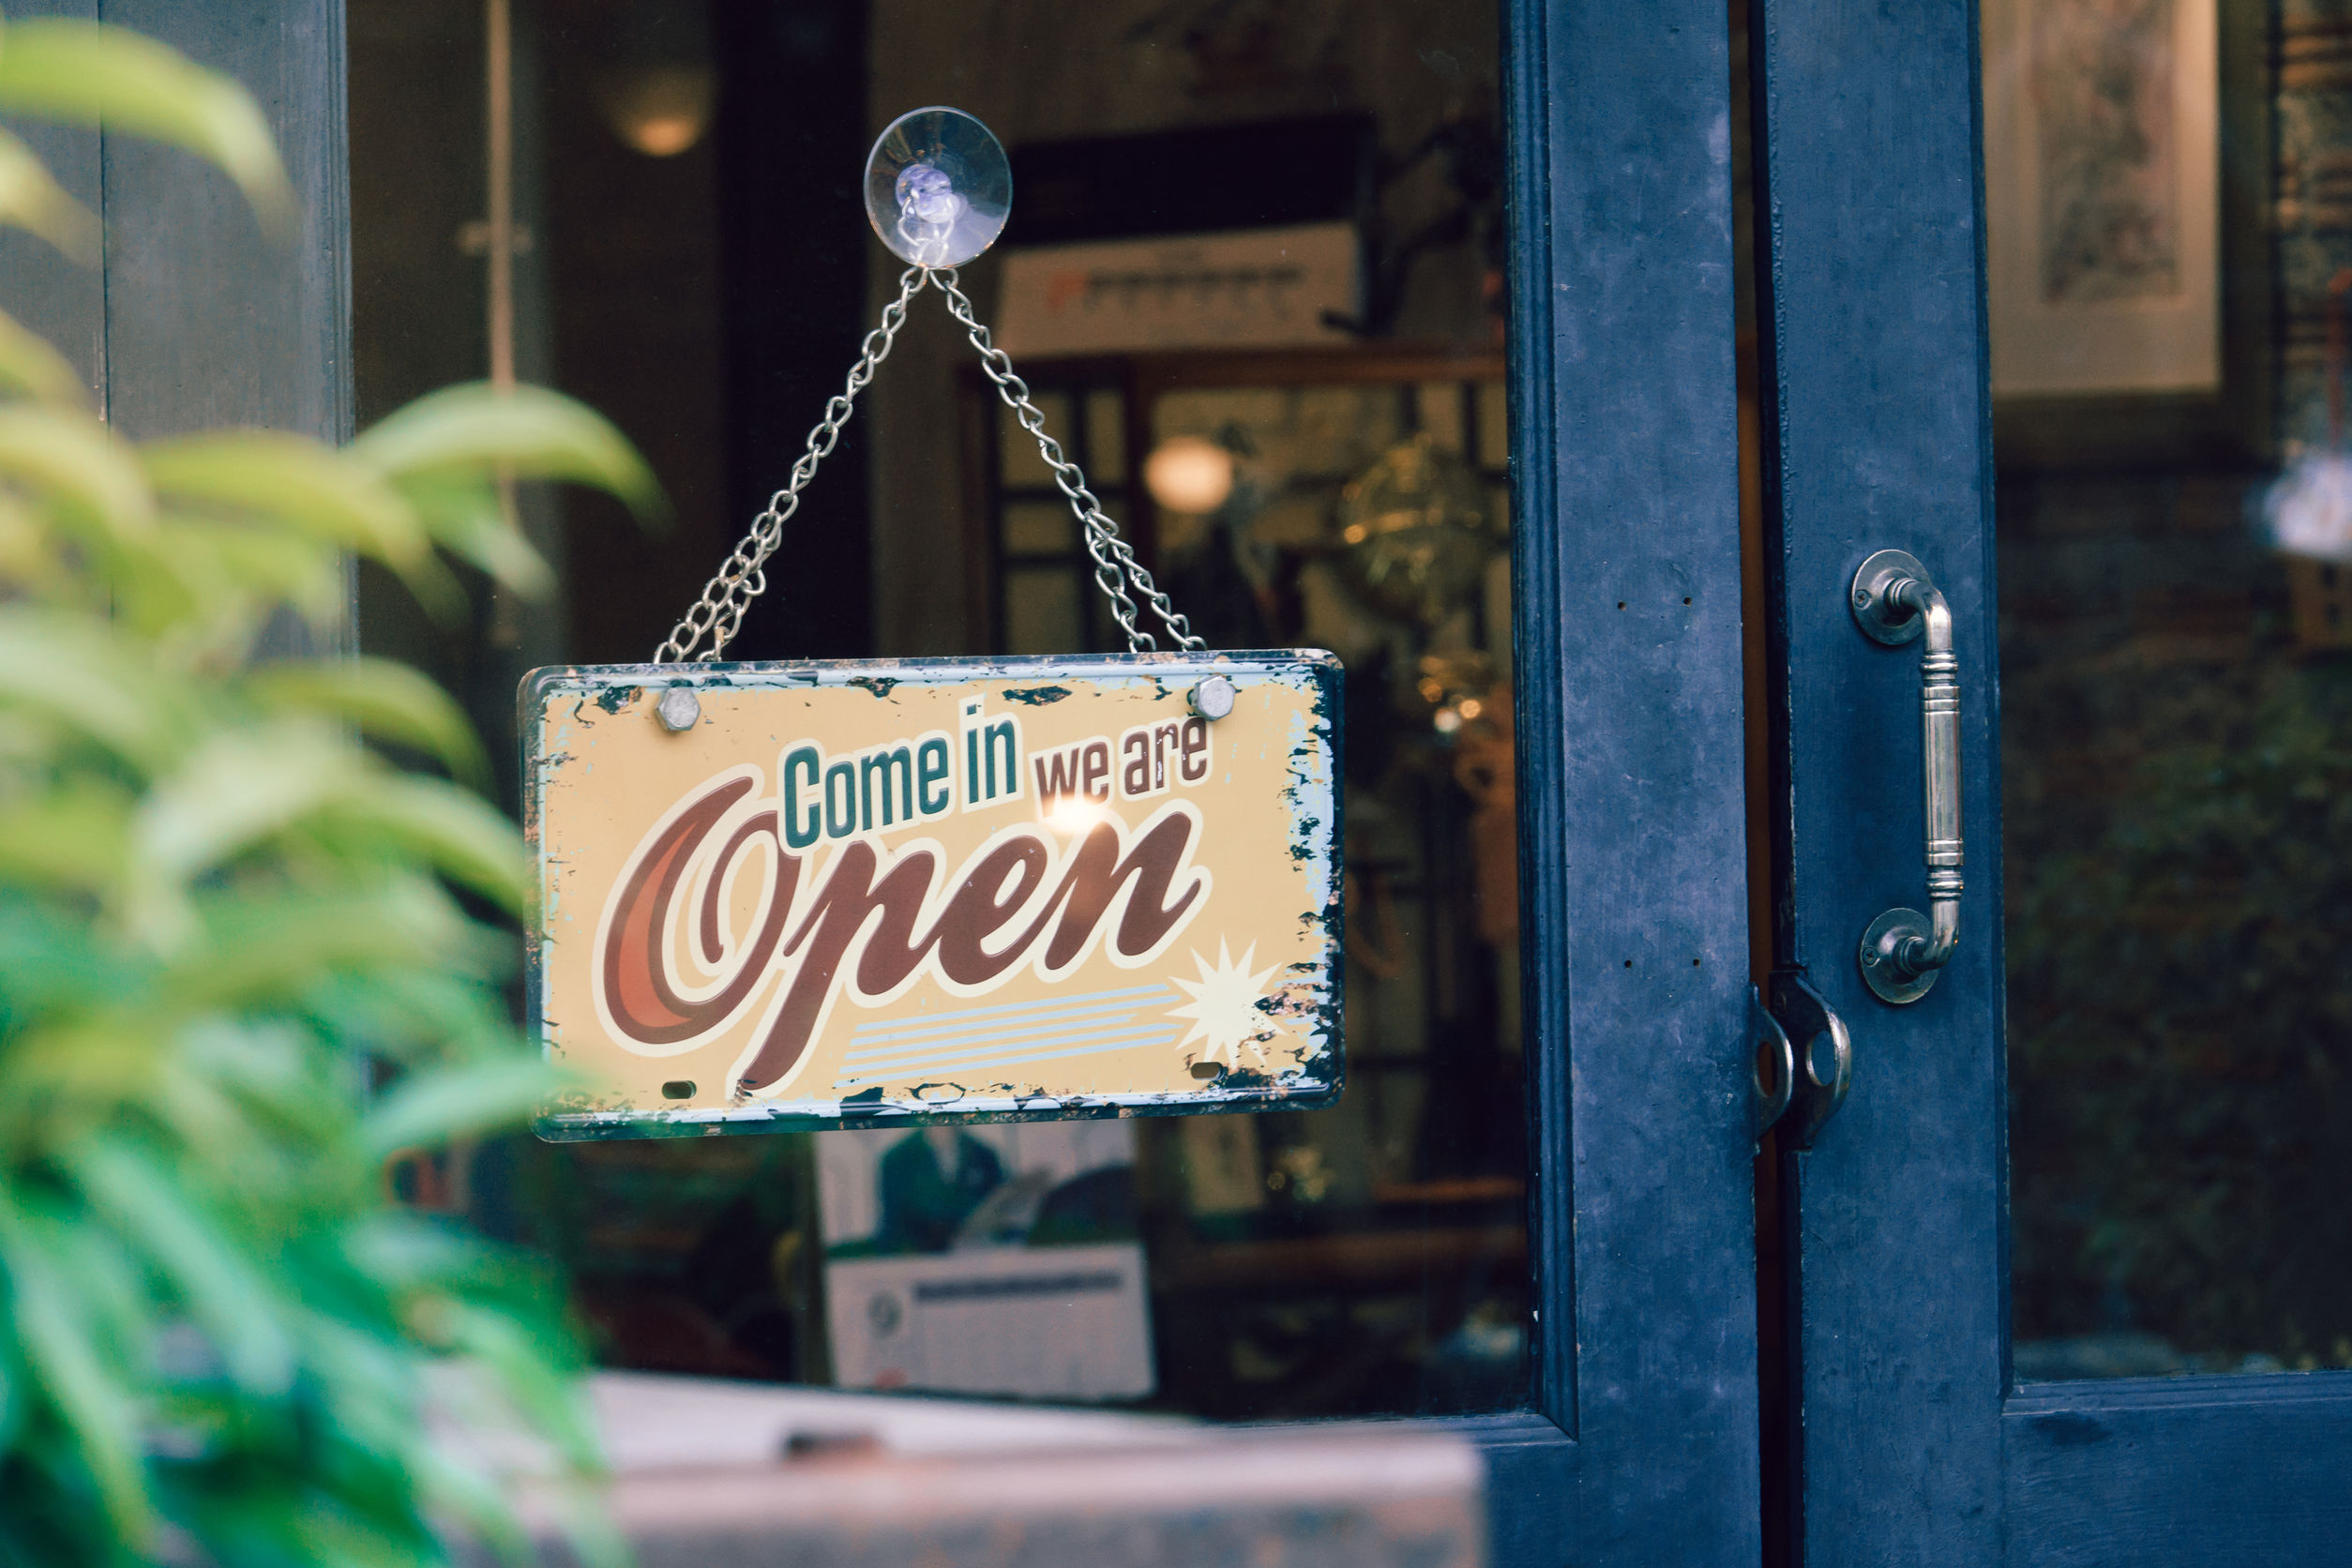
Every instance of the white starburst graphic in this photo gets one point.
(1223, 1007)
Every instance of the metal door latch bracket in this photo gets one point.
(1803, 1058)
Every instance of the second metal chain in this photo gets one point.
(718, 614)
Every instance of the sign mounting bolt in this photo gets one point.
(678, 710)
(1212, 697)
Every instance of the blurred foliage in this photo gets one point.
(235, 972)
(2180, 1034)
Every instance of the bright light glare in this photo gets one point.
(1187, 474)
(661, 111)
(1075, 814)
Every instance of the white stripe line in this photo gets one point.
(1092, 1021)
(1129, 1043)
(1002, 1026)
(993, 1047)
(962, 1017)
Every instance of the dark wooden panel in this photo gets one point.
(1871, 343)
(2215, 1472)
(1626, 495)
(195, 318)
(57, 296)
(209, 322)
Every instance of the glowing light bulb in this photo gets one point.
(660, 111)
(1186, 474)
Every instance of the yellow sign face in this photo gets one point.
(801, 894)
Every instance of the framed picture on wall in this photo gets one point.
(2126, 156)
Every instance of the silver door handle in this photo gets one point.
(1893, 601)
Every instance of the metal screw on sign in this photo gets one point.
(678, 710)
(1212, 697)
(938, 189)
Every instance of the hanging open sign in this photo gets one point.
(780, 893)
(783, 894)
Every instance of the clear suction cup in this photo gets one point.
(938, 188)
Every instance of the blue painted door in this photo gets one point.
(1640, 1443)
(1922, 1426)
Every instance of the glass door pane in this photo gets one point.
(703, 276)
(2175, 533)
(1371, 1258)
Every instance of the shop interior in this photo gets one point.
(1253, 277)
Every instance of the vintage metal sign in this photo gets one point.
(785, 893)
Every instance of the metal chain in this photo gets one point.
(1113, 558)
(719, 615)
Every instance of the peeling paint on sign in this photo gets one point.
(857, 893)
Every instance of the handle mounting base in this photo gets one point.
(1881, 955)
(1881, 619)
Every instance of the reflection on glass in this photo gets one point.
(1019, 460)
(2176, 695)
(1039, 528)
(1106, 438)
(1370, 1258)
(1041, 612)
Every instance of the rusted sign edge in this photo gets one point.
(1233, 1089)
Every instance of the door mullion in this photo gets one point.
(1876, 436)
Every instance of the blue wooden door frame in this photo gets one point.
(1909, 1443)
(1642, 1446)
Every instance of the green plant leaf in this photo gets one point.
(80, 675)
(72, 459)
(69, 839)
(468, 520)
(408, 1254)
(28, 364)
(459, 833)
(477, 1502)
(239, 786)
(31, 200)
(62, 1358)
(527, 432)
(221, 915)
(387, 701)
(89, 73)
(292, 481)
(224, 1292)
(429, 1111)
(263, 952)
(212, 585)
(553, 1401)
